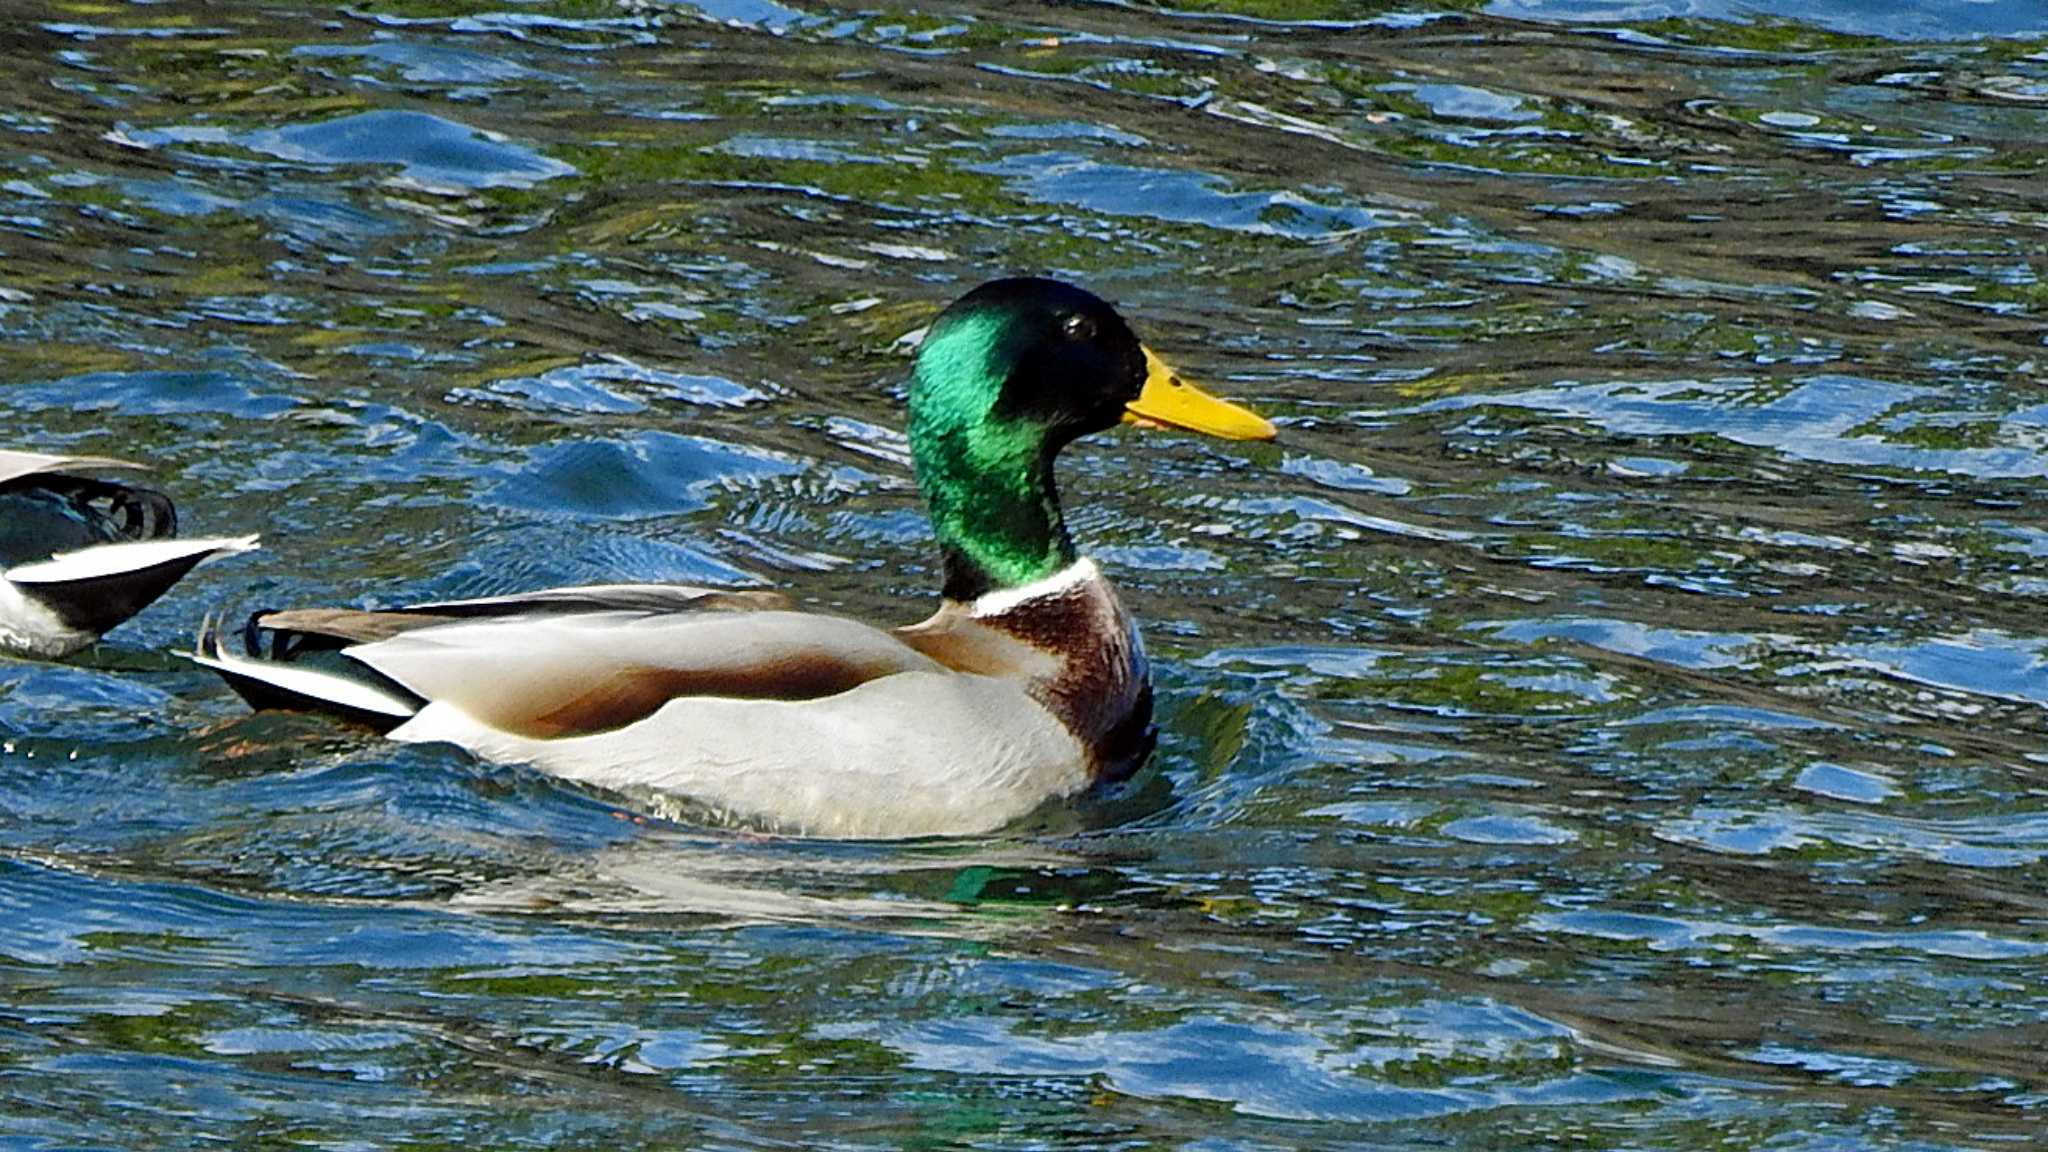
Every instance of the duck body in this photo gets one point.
(812, 724)
(1028, 683)
(79, 554)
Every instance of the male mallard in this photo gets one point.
(79, 555)
(1028, 683)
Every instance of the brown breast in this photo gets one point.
(1078, 651)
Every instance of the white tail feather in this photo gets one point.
(114, 559)
(307, 682)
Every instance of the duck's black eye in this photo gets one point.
(1078, 327)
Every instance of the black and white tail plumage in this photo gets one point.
(79, 555)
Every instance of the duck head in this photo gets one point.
(1007, 376)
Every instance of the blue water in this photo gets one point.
(1611, 716)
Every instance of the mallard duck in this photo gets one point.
(1028, 682)
(79, 554)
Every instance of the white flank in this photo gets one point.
(115, 559)
(302, 681)
(914, 754)
(1003, 600)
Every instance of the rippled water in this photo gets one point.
(1611, 716)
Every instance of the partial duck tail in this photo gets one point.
(284, 667)
(73, 598)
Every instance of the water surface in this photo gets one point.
(1611, 716)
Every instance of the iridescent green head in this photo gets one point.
(1007, 376)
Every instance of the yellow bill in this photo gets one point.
(1171, 402)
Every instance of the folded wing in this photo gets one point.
(574, 674)
(556, 663)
